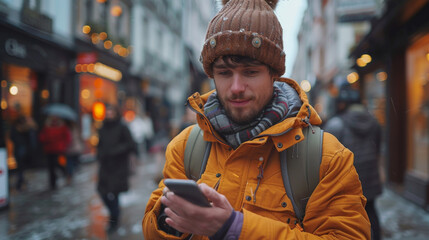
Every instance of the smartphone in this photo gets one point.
(187, 189)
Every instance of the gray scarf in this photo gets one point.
(285, 103)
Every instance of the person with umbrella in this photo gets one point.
(55, 137)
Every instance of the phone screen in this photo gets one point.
(187, 189)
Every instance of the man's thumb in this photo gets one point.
(216, 198)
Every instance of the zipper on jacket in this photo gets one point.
(216, 186)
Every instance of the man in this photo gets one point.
(251, 117)
(359, 131)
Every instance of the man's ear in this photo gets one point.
(274, 78)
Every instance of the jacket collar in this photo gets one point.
(284, 134)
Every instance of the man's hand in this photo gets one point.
(189, 218)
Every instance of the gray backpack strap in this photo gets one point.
(300, 166)
(197, 152)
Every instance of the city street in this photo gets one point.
(76, 211)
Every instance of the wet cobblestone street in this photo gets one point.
(74, 211)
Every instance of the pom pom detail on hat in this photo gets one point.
(247, 28)
(272, 3)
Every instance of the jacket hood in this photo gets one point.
(302, 112)
(358, 120)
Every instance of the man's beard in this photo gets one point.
(240, 118)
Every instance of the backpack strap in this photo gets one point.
(197, 152)
(300, 169)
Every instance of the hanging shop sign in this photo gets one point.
(86, 57)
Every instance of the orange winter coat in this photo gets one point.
(335, 210)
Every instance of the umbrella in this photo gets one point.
(60, 110)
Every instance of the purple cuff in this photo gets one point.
(235, 229)
(231, 229)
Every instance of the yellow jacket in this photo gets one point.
(335, 210)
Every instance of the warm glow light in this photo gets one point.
(116, 11)
(427, 56)
(366, 58)
(99, 111)
(86, 29)
(85, 93)
(84, 67)
(44, 94)
(381, 76)
(94, 38)
(13, 90)
(98, 82)
(3, 83)
(305, 85)
(102, 36)
(3, 104)
(91, 67)
(122, 52)
(116, 48)
(78, 68)
(352, 77)
(129, 115)
(101, 1)
(107, 72)
(93, 140)
(126, 53)
(360, 62)
(108, 44)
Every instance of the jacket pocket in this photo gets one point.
(269, 201)
(209, 178)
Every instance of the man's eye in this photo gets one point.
(223, 73)
(251, 72)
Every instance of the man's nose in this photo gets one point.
(238, 84)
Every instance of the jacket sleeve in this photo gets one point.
(173, 169)
(335, 210)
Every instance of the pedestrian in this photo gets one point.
(21, 134)
(55, 137)
(141, 128)
(114, 150)
(74, 150)
(360, 132)
(251, 116)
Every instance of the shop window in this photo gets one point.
(17, 85)
(417, 74)
(94, 89)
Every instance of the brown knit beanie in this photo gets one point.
(245, 28)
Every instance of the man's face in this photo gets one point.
(243, 89)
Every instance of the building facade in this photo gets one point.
(398, 43)
(36, 53)
(167, 39)
(329, 30)
(102, 44)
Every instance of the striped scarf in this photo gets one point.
(235, 134)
